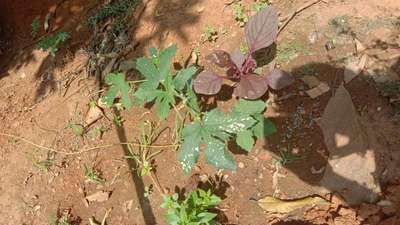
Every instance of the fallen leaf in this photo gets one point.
(93, 115)
(100, 196)
(359, 46)
(311, 81)
(354, 68)
(319, 90)
(271, 204)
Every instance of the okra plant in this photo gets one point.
(208, 130)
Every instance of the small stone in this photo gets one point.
(203, 178)
(329, 45)
(241, 165)
(379, 109)
(313, 37)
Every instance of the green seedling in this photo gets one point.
(118, 121)
(210, 34)
(193, 210)
(35, 26)
(240, 15)
(43, 165)
(93, 175)
(341, 24)
(77, 129)
(260, 5)
(115, 11)
(287, 157)
(52, 43)
(143, 157)
(288, 51)
(148, 190)
(64, 219)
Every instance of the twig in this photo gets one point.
(287, 19)
(86, 149)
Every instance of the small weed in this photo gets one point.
(209, 34)
(118, 120)
(77, 129)
(240, 15)
(93, 175)
(149, 132)
(341, 24)
(148, 190)
(243, 48)
(307, 69)
(290, 50)
(43, 165)
(35, 25)
(390, 88)
(64, 219)
(118, 10)
(51, 43)
(192, 210)
(260, 5)
(288, 157)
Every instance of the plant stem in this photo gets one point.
(136, 81)
(86, 149)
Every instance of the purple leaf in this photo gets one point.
(207, 83)
(279, 79)
(262, 29)
(251, 86)
(219, 58)
(238, 58)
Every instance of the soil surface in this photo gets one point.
(44, 99)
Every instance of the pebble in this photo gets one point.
(241, 165)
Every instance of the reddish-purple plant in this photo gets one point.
(261, 32)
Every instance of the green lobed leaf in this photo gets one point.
(189, 152)
(163, 105)
(145, 93)
(118, 85)
(149, 71)
(245, 140)
(218, 156)
(249, 107)
(216, 121)
(183, 76)
(264, 127)
(166, 57)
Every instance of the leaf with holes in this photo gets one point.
(189, 152)
(218, 156)
(207, 83)
(118, 87)
(262, 29)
